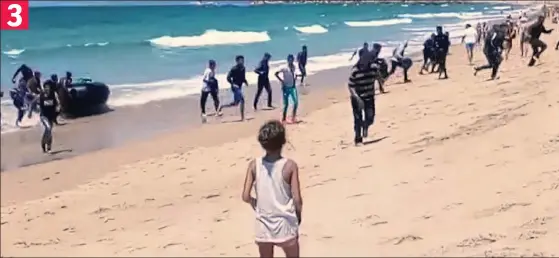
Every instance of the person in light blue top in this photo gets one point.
(288, 80)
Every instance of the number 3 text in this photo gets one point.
(15, 15)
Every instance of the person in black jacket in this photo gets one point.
(538, 46)
(263, 71)
(442, 44)
(492, 49)
(48, 106)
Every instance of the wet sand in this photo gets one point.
(458, 167)
(133, 123)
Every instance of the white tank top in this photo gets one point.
(276, 219)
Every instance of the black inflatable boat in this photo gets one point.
(83, 97)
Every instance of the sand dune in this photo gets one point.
(458, 167)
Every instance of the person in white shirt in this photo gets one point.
(524, 38)
(398, 60)
(469, 39)
(209, 87)
(288, 88)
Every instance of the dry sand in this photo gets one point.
(458, 167)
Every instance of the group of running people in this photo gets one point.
(236, 77)
(499, 40)
(30, 95)
(276, 178)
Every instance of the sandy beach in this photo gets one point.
(458, 167)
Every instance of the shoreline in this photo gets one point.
(490, 146)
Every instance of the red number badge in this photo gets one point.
(14, 15)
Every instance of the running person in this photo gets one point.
(510, 35)
(33, 92)
(237, 78)
(289, 89)
(469, 39)
(209, 87)
(538, 46)
(302, 58)
(278, 204)
(52, 83)
(361, 87)
(524, 37)
(48, 106)
(492, 49)
(26, 74)
(263, 71)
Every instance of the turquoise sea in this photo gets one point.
(147, 53)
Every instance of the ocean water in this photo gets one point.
(147, 53)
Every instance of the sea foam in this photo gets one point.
(211, 38)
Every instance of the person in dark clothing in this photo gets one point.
(25, 71)
(398, 61)
(442, 44)
(237, 78)
(48, 106)
(66, 81)
(557, 46)
(33, 92)
(210, 87)
(302, 58)
(362, 95)
(263, 71)
(381, 65)
(53, 85)
(18, 97)
(538, 46)
(493, 49)
(362, 51)
(428, 54)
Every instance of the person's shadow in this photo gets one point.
(374, 140)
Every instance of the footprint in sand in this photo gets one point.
(480, 240)
(402, 239)
(532, 234)
(499, 209)
(536, 222)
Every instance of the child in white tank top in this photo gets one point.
(278, 203)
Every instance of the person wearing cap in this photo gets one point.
(361, 85)
(263, 82)
(209, 87)
(535, 30)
